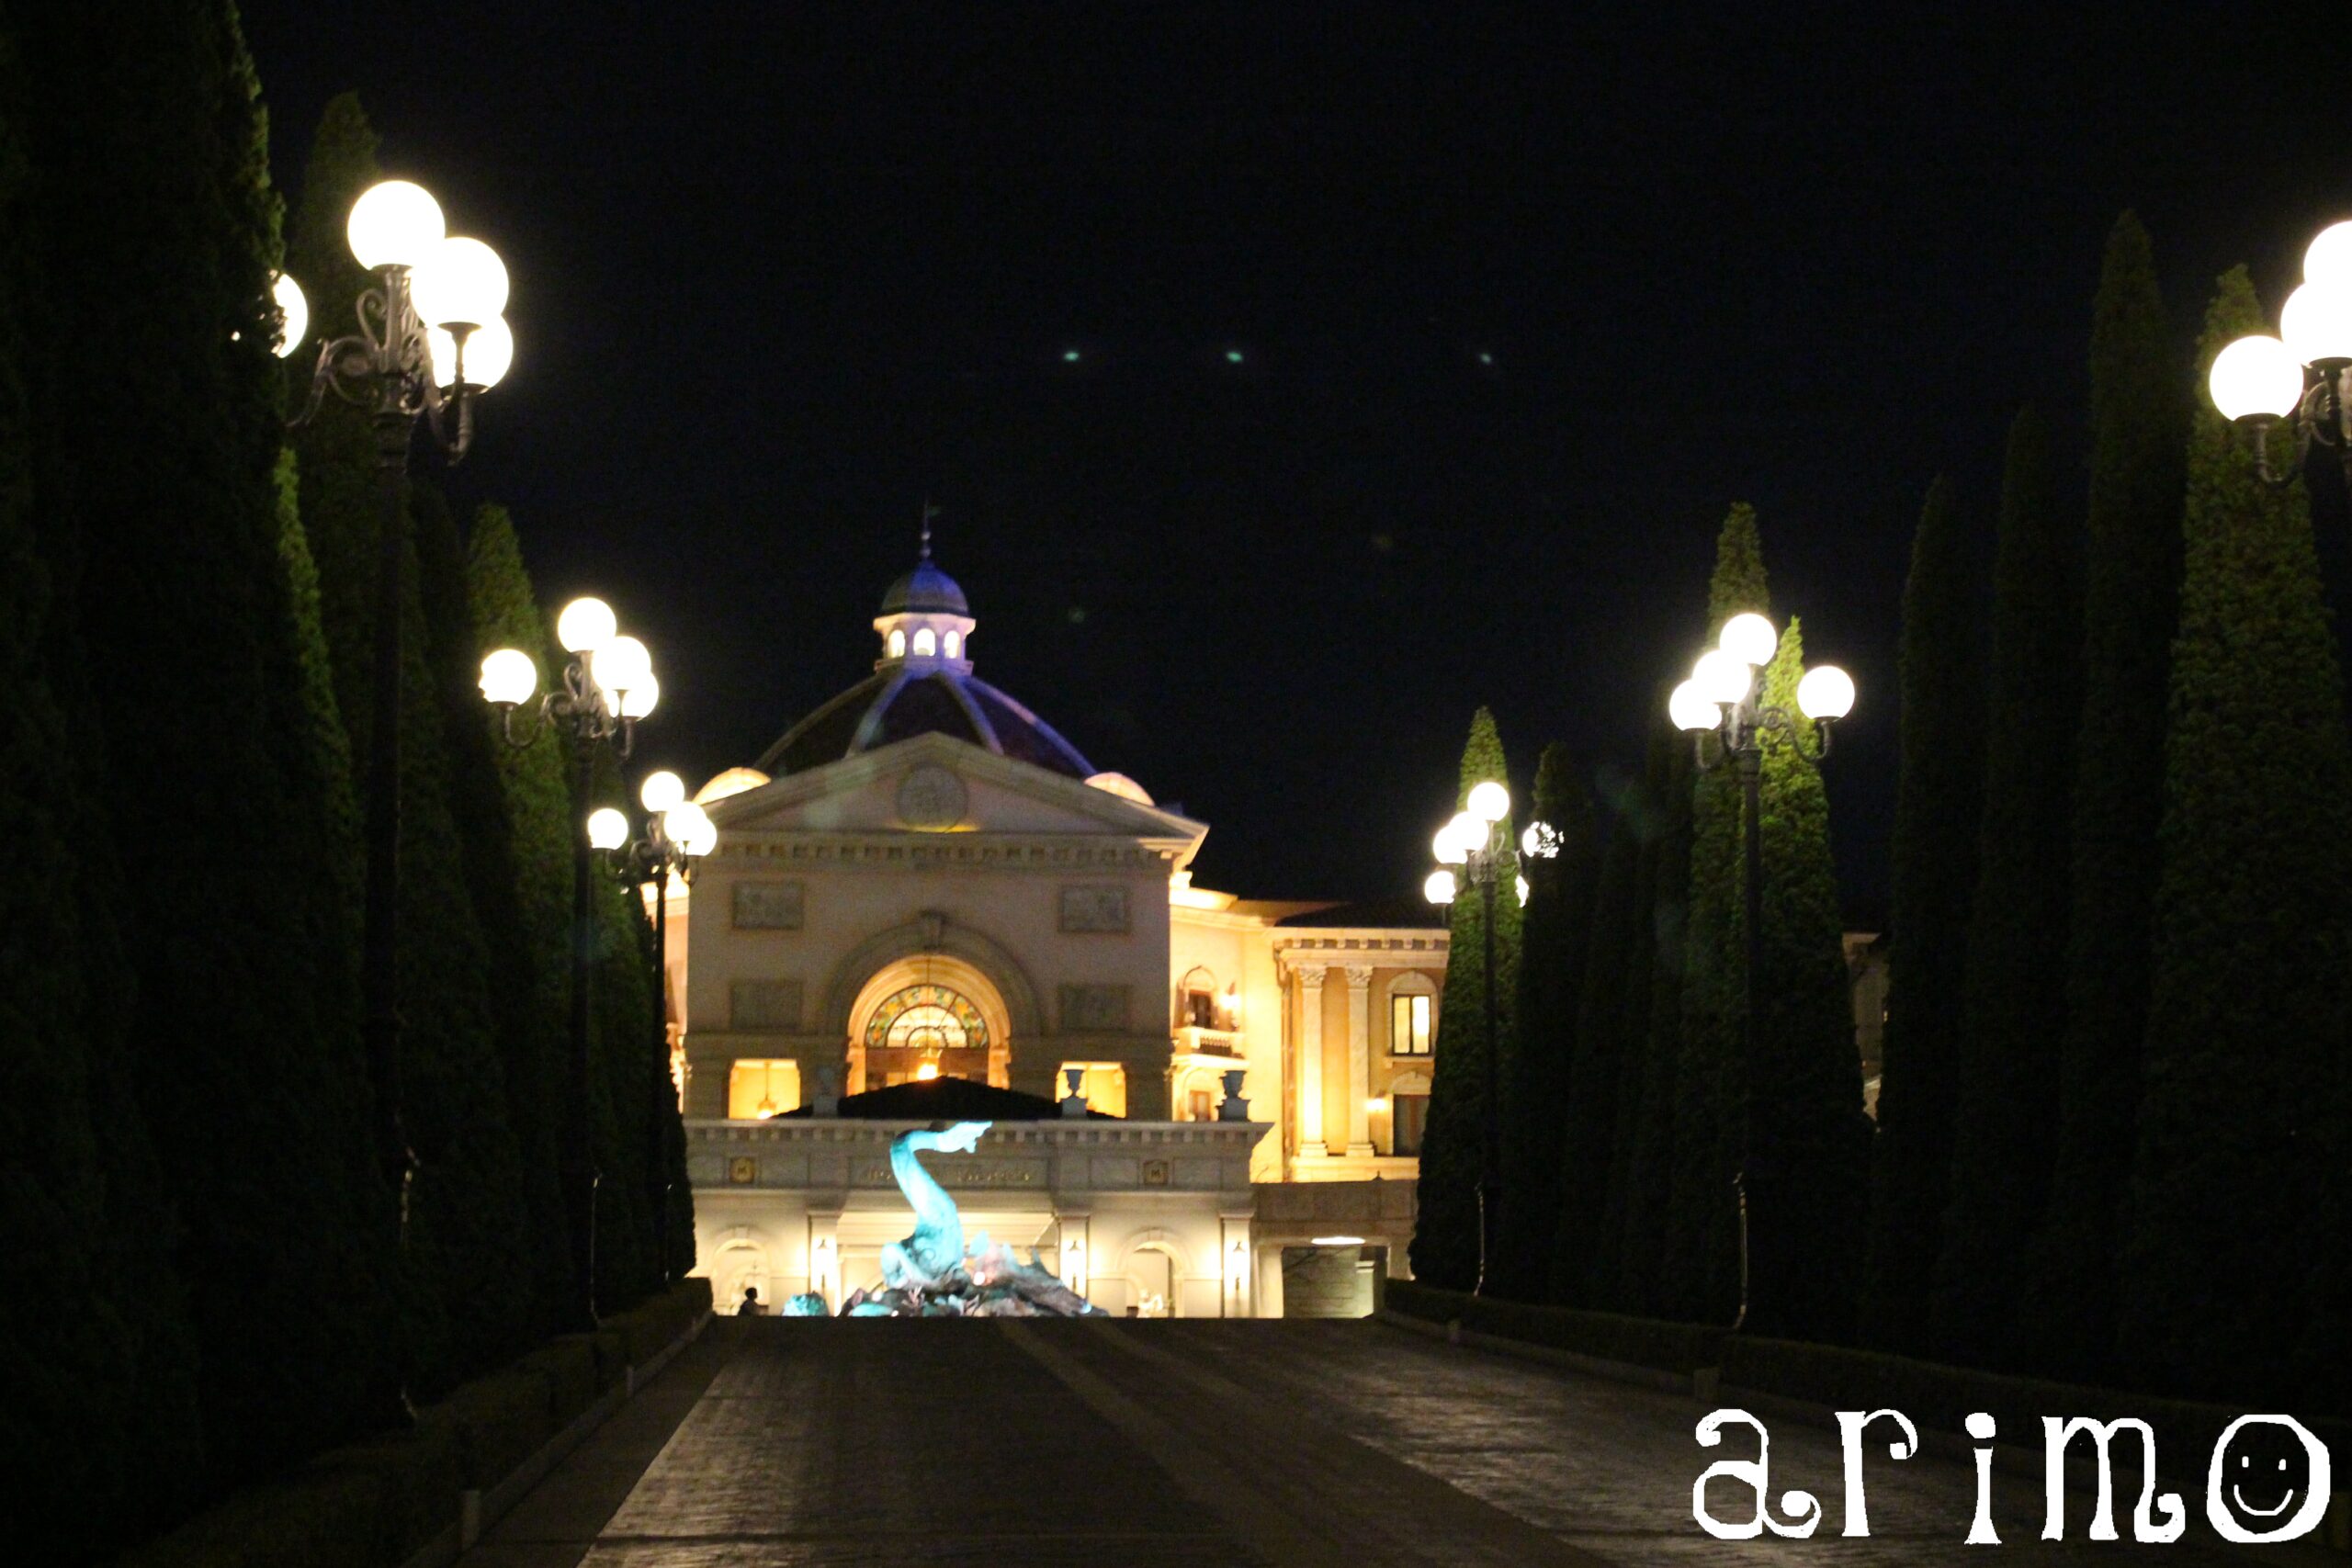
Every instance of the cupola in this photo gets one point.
(926, 621)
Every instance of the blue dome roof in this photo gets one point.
(925, 588)
(896, 703)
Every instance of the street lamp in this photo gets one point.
(1724, 701)
(2304, 373)
(677, 834)
(1474, 848)
(431, 287)
(607, 688)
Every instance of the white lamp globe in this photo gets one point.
(660, 791)
(620, 665)
(2329, 259)
(1541, 841)
(1446, 849)
(1721, 678)
(1469, 834)
(1748, 637)
(689, 827)
(585, 625)
(1489, 801)
(1519, 886)
(490, 354)
(607, 829)
(1439, 888)
(2316, 324)
(460, 279)
(508, 677)
(2256, 376)
(638, 701)
(1827, 691)
(1691, 709)
(294, 314)
(394, 224)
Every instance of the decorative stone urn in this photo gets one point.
(1233, 1108)
(1074, 1103)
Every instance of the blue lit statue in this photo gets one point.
(927, 1259)
(933, 1273)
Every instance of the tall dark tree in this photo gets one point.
(98, 1403)
(470, 1237)
(526, 1016)
(1937, 804)
(1585, 1118)
(2005, 1127)
(1657, 1029)
(1620, 959)
(159, 230)
(2239, 1136)
(1808, 1141)
(1454, 1143)
(2139, 425)
(1549, 1118)
(1700, 1271)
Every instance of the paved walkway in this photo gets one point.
(782, 1443)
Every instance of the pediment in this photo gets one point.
(938, 785)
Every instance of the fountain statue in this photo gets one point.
(934, 1272)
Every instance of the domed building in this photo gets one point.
(924, 880)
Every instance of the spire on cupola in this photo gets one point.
(925, 620)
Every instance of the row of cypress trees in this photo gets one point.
(206, 1285)
(2115, 1121)
(2113, 1127)
(1632, 1119)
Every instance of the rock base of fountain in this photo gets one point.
(921, 1278)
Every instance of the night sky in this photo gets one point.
(1418, 350)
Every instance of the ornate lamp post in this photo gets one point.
(1723, 702)
(1478, 842)
(607, 688)
(678, 833)
(2304, 373)
(430, 341)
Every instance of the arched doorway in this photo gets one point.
(930, 1015)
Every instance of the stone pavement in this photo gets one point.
(795, 1443)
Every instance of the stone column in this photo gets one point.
(1312, 1144)
(1359, 1059)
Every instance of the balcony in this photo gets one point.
(1194, 1041)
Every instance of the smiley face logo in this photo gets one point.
(2263, 1466)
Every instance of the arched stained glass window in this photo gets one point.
(925, 1017)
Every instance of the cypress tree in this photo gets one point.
(1937, 811)
(1619, 959)
(1445, 1236)
(1808, 1168)
(1584, 1113)
(527, 1028)
(2138, 431)
(1548, 1117)
(1642, 1283)
(160, 229)
(2238, 1139)
(98, 1406)
(2004, 1126)
(1700, 1273)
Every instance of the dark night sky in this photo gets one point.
(1525, 297)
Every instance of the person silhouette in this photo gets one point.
(751, 1306)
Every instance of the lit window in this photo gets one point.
(954, 645)
(1409, 1026)
(756, 1089)
(897, 643)
(1104, 1087)
(926, 643)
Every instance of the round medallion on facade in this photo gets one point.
(931, 797)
